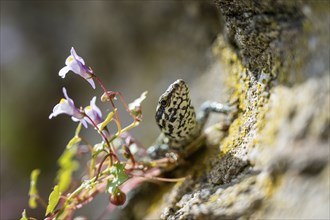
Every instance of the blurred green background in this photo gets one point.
(132, 45)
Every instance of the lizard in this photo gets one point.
(181, 131)
(181, 127)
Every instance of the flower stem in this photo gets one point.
(112, 150)
(109, 96)
(129, 127)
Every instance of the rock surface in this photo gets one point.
(274, 160)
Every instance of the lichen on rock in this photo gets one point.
(273, 162)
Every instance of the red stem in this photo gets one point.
(109, 95)
(101, 164)
(112, 150)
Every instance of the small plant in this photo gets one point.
(112, 162)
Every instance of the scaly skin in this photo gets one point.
(177, 120)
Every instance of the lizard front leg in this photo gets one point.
(216, 107)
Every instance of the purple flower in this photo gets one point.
(66, 106)
(77, 65)
(94, 112)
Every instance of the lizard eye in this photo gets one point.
(163, 102)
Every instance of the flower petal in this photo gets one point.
(93, 112)
(66, 106)
(70, 101)
(94, 106)
(64, 71)
(61, 108)
(91, 82)
(76, 64)
(75, 55)
(69, 60)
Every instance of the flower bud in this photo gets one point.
(118, 198)
(107, 96)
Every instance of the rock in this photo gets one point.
(274, 160)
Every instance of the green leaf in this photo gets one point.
(65, 159)
(33, 192)
(107, 120)
(65, 178)
(53, 199)
(24, 215)
(67, 167)
(118, 171)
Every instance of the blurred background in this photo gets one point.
(132, 46)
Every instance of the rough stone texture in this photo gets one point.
(262, 32)
(274, 160)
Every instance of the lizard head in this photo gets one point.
(174, 114)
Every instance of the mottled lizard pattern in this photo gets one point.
(176, 116)
(178, 121)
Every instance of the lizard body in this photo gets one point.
(179, 124)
